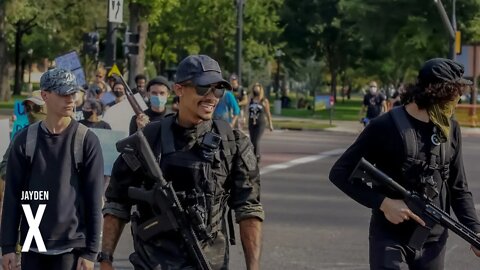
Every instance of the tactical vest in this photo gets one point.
(200, 175)
(418, 174)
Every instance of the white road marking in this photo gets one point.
(302, 160)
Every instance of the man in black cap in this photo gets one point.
(55, 174)
(158, 91)
(421, 150)
(211, 176)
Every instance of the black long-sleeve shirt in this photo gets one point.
(72, 217)
(381, 144)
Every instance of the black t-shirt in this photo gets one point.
(381, 144)
(374, 104)
(152, 115)
(99, 124)
(239, 93)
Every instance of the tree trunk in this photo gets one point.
(4, 64)
(138, 25)
(18, 47)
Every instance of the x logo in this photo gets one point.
(33, 231)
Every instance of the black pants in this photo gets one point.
(256, 132)
(390, 254)
(38, 261)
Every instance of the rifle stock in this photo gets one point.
(162, 198)
(418, 204)
(130, 97)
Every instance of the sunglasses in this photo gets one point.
(204, 90)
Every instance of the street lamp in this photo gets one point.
(450, 25)
(278, 56)
(30, 53)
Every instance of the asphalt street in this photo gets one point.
(309, 223)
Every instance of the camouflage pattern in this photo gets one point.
(60, 81)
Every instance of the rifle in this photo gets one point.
(169, 213)
(130, 97)
(419, 204)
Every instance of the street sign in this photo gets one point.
(115, 11)
(470, 59)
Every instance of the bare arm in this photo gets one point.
(269, 114)
(251, 234)
(112, 230)
(234, 120)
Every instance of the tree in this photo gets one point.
(325, 33)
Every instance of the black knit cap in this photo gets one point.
(439, 70)
(159, 80)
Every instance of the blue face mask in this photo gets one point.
(158, 101)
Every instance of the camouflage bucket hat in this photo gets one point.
(60, 81)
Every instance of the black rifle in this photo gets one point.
(169, 213)
(418, 204)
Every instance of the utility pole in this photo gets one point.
(451, 27)
(111, 45)
(238, 56)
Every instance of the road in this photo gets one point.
(312, 225)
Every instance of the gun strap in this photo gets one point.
(231, 227)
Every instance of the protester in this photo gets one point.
(46, 159)
(227, 109)
(419, 146)
(258, 116)
(374, 104)
(158, 91)
(92, 112)
(242, 99)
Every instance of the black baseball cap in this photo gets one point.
(201, 70)
(439, 70)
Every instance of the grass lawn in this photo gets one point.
(298, 125)
(347, 110)
(9, 104)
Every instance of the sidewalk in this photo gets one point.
(355, 127)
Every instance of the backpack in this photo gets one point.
(79, 138)
(410, 146)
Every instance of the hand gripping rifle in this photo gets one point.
(169, 213)
(418, 204)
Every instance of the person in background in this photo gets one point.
(227, 109)
(140, 82)
(119, 92)
(242, 99)
(374, 104)
(36, 111)
(158, 91)
(100, 80)
(79, 101)
(92, 110)
(259, 117)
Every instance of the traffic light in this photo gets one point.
(91, 43)
(130, 44)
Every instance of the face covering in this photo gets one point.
(373, 90)
(118, 93)
(256, 92)
(440, 116)
(158, 101)
(87, 114)
(36, 116)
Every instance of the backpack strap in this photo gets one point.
(31, 142)
(228, 145)
(406, 130)
(228, 138)
(79, 139)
